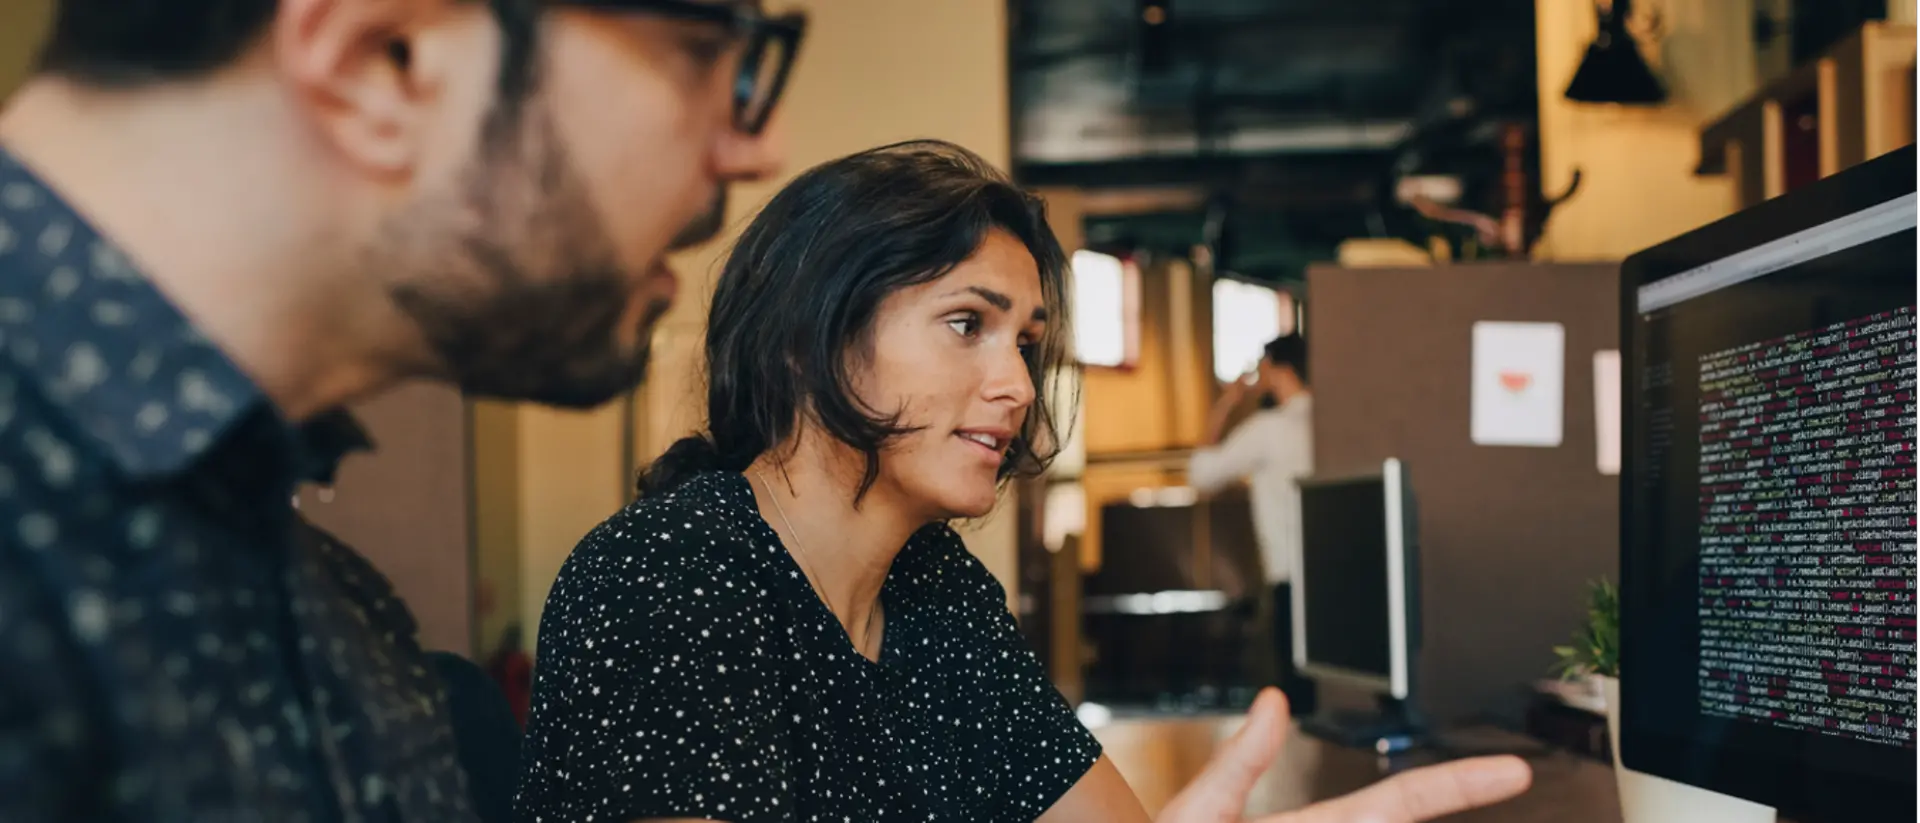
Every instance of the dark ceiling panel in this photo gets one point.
(1254, 64)
(1290, 109)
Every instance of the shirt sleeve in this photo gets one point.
(1290, 446)
(1044, 749)
(651, 696)
(1246, 450)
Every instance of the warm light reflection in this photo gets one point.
(1101, 310)
(1245, 317)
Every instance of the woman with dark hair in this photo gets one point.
(783, 626)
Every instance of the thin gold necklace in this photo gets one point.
(813, 577)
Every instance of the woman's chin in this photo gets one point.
(971, 504)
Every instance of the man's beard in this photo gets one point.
(514, 282)
(706, 226)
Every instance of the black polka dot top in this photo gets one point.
(687, 669)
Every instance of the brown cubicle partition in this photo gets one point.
(405, 507)
(1509, 535)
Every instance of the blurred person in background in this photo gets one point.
(1271, 450)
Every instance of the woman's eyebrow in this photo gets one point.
(999, 301)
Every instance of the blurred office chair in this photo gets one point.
(485, 734)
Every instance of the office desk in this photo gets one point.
(1158, 755)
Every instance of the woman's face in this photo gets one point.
(951, 356)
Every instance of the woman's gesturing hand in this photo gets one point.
(1219, 794)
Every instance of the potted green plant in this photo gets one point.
(1595, 650)
(1594, 654)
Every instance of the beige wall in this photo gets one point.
(1638, 186)
(569, 480)
(871, 72)
(542, 479)
(22, 23)
(498, 601)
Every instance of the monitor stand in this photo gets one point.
(1391, 727)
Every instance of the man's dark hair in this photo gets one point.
(799, 294)
(131, 43)
(1289, 350)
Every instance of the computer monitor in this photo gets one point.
(1356, 600)
(1767, 616)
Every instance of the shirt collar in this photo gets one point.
(325, 441)
(88, 331)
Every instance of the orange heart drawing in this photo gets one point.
(1515, 381)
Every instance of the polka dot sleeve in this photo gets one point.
(1046, 748)
(654, 698)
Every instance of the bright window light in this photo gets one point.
(1101, 320)
(1093, 715)
(1245, 318)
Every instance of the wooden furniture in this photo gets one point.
(1159, 756)
(1115, 480)
(1579, 729)
(1852, 104)
(1173, 615)
(1161, 402)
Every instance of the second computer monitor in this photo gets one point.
(1356, 591)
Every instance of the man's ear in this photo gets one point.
(351, 64)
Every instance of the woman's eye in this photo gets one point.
(965, 326)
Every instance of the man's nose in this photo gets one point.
(743, 156)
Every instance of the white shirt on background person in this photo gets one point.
(1272, 450)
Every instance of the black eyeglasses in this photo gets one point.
(771, 44)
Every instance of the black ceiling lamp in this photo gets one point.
(1613, 70)
(1156, 34)
(1216, 235)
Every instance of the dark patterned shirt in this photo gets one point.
(174, 645)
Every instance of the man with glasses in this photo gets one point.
(220, 220)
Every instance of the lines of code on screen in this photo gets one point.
(1807, 532)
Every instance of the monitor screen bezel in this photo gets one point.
(1748, 774)
(1397, 682)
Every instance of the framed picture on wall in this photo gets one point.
(1106, 310)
